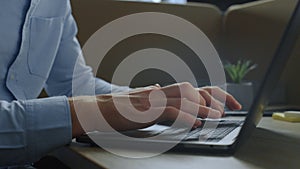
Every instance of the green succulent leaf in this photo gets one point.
(238, 71)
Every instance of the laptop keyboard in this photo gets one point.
(213, 131)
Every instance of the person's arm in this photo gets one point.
(146, 106)
(32, 128)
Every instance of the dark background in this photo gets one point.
(223, 4)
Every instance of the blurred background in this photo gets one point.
(238, 29)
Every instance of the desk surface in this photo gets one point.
(275, 144)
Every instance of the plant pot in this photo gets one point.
(243, 92)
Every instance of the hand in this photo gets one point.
(146, 106)
(215, 98)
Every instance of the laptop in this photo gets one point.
(223, 136)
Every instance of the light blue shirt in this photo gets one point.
(38, 49)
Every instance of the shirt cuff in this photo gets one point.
(48, 125)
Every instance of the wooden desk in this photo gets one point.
(265, 149)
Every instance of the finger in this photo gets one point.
(211, 101)
(232, 103)
(189, 107)
(172, 114)
(202, 100)
(163, 114)
(220, 94)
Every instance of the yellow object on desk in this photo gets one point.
(290, 116)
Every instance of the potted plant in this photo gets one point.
(240, 89)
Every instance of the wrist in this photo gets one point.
(77, 130)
